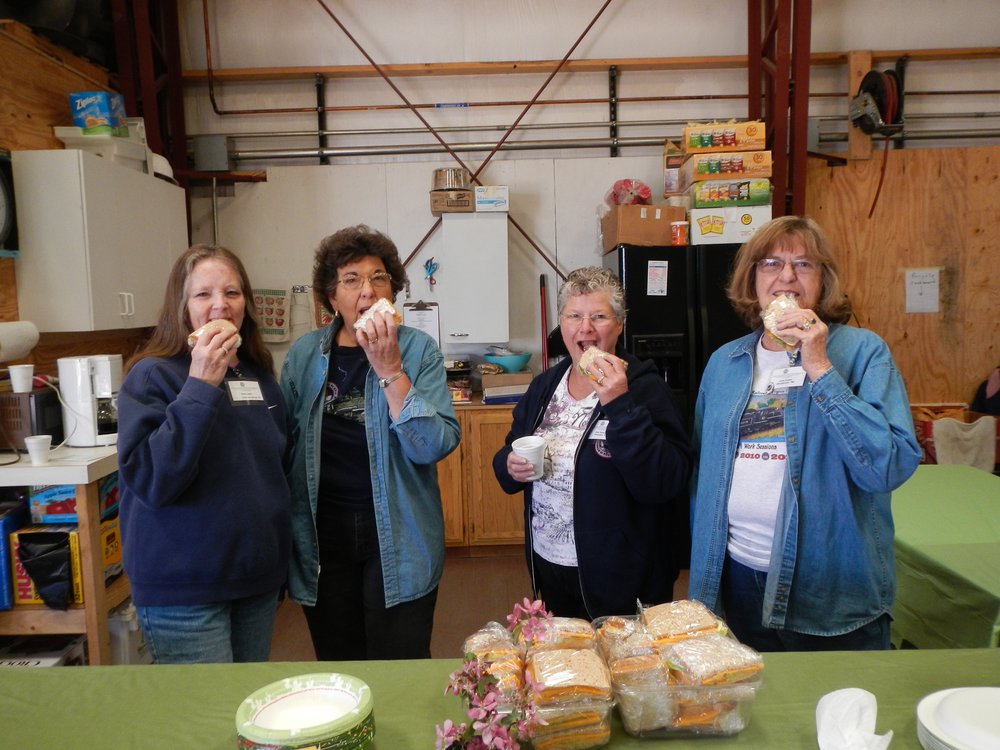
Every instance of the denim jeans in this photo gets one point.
(222, 632)
(743, 603)
(350, 620)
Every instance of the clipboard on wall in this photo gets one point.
(423, 316)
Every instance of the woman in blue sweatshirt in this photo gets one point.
(202, 445)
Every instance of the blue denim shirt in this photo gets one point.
(850, 442)
(403, 458)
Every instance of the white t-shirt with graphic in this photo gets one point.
(759, 469)
(562, 427)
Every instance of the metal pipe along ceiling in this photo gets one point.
(569, 143)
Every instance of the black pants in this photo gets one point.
(350, 620)
(559, 587)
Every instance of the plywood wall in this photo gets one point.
(938, 208)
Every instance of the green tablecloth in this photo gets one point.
(948, 558)
(194, 706)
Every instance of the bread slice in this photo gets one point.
(713, 659)
(563, 632)
(382, 305)
(775, 307)
(565, 675)
(220, 324)
(587, 359)
(674, 621)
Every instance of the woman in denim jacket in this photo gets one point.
(374, 417)
(802, 434)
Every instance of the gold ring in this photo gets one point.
(225, 351)
(600, 380)
(375, 340)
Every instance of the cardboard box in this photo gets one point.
(738, 165)
(24, 588)
(452, 201)
(718, 226)
(673, 158)
(721, 193)
(56, 503)
(507, 378)
(724, 136)
(99, 112)
(13, 516)
(639, 225)
(492, 198)
(45, 651)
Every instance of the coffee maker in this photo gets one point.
(89, 387)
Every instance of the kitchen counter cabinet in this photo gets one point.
(83, 467)
(476, 511)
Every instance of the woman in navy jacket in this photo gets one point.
(602, 526)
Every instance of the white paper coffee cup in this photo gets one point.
(38, 448)
(21, 377)
(531, 447)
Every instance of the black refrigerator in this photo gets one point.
(678, 312)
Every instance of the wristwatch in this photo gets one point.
(383, 382)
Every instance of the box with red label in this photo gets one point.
(724, 136)
(738, 165)
(56, 503)
(111, 548)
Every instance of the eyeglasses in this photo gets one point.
(598, 320)
(354, 281)
(774, 266)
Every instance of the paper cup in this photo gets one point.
(532, 448)
(21, 377)
(38, 448)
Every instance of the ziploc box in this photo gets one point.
(111, 548)
(720, 226)
(99, 113)
(13, 516)
(56, 503)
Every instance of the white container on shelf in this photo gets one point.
(128, 646)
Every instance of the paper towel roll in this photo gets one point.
(17, 339)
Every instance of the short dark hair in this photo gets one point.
(834, 305)
(346, 246)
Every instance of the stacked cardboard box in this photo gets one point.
(726, 175)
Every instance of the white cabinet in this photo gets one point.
(97, 241)
(473, 274)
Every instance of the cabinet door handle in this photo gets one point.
(131, 305)
(458, 335)
(123, 304)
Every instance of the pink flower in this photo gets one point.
(448, 734)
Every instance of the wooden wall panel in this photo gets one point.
(36, 78)
(937, 208)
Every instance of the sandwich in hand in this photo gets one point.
(588, 362)
(382, 305)
(781, 303)
(222, 325)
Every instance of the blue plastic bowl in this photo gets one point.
(509, 362)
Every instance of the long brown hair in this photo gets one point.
(169, 338)
(834, 305)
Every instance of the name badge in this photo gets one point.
(244, 392)
(786, 377)
(600, 430)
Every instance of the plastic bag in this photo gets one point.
(628, 192)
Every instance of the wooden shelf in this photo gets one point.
(188, 176)
(37, 619)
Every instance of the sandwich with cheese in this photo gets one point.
(781, 303)
(222, 325)
(382, 305)
(589, 366)
(674, 621)
(565, 675)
